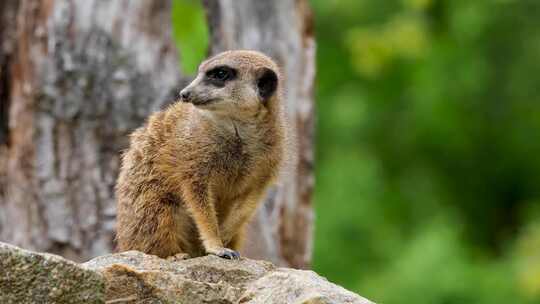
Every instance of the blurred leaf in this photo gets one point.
(373, 49)
(190, 33)
(418, 4)
(528, 257)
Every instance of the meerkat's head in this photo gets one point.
(234, 82)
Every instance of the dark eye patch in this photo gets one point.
(219, 75)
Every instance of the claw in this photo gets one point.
(228, 254)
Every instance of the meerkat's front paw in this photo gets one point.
(226, 253)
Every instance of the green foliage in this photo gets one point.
(428, 156)
(435, 267)
(528, 247)
(190, 33)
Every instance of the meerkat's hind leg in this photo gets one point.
(178, 257)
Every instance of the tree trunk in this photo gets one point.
(282, 231)
(76, 77)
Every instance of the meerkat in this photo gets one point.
(195, 172)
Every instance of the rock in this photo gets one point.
(134, 277)
(28, 277)
(298, 286)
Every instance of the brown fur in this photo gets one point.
(193, 175)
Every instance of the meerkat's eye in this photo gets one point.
(221, 74)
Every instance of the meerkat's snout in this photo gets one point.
(185, 95)
(190, 94)
(211, 86)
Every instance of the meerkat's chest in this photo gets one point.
(237, 158)
(231, 154)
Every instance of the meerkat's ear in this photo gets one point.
(267, 82)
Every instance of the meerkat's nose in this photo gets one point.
(185, 95)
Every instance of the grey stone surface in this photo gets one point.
(134, 277)
(28, 277)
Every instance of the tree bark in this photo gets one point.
(84, 74)
(282, 230)
(76, 77)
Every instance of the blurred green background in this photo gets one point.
(428, 146)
